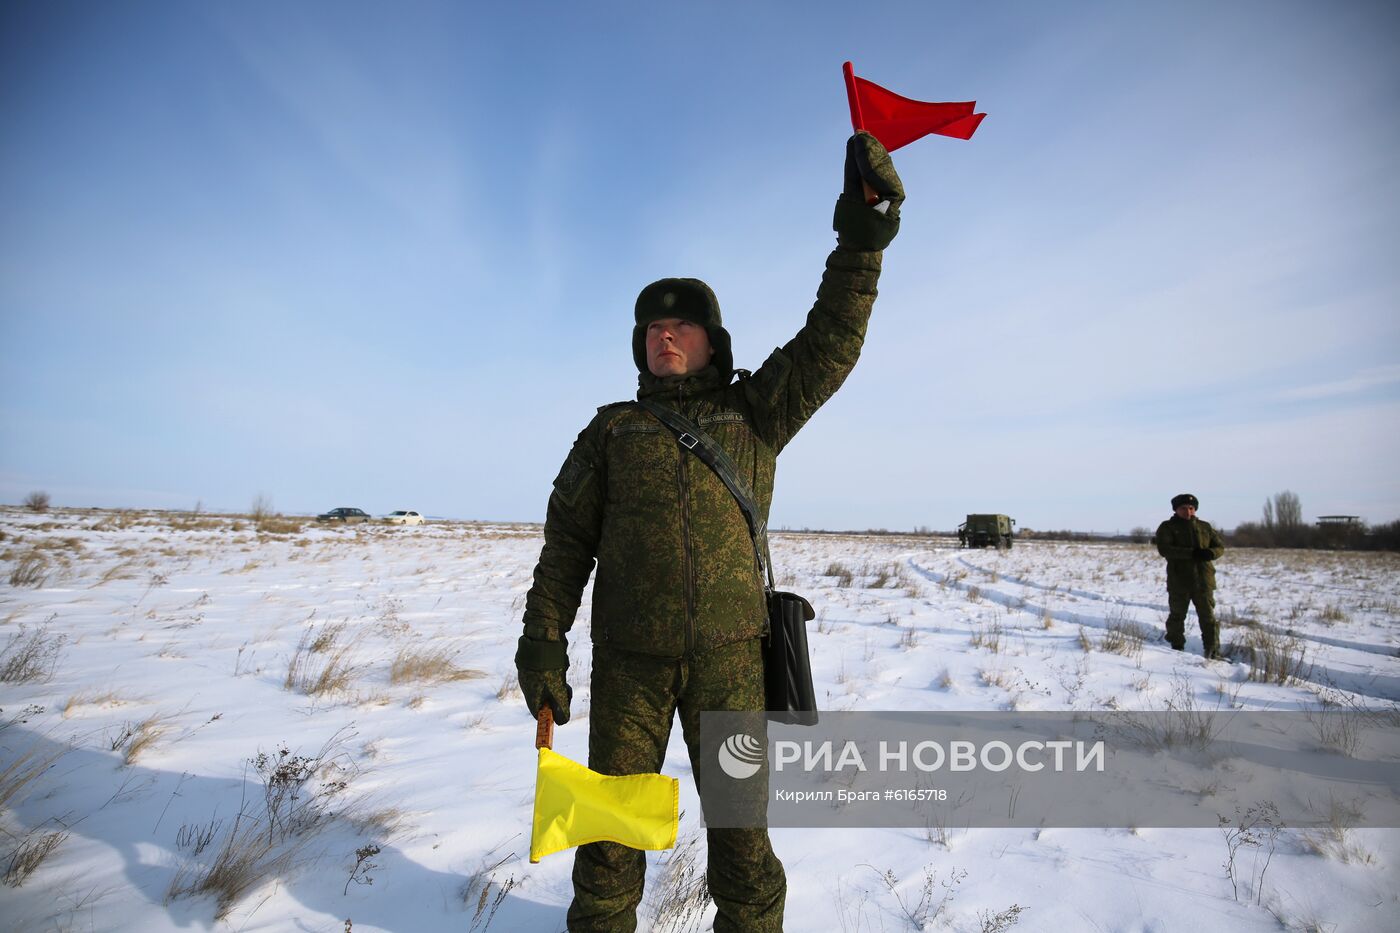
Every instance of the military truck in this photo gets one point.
(986, 531)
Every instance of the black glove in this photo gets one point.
(540, 664)
(868, 161)
(859, 225)
(1203, 553)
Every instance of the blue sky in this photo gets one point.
(385, 255)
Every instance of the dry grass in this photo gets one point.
(30, 656)
(484, 891)
(29, 855)
(1124, 636)
(265, 839)
(124, 570)
(31, 569)
(320, 664)
(26, 768)
(326, 638)
(1184, 723)
(1335, 840)
(383, 824)
(889, 575)
(268, 521)
(1273, 658)
(997, 677)
(845, 577)
(1231, 618)
(989, 637)
(430, 665)
(141, 736)
(243, 860)
(678, 899)
(66, 543)
(1332, 615)
(509, 688)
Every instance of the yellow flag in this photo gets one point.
(574, 805)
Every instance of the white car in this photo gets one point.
(403, 518)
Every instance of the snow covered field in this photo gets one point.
(290, 728)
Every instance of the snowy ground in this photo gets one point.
(151, 659)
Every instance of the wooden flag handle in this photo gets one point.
(544, 727)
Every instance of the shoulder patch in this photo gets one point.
(573, 476)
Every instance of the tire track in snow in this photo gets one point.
(1018, 603)
(1356, 678)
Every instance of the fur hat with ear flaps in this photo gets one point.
(689, 300)
(1185, 499)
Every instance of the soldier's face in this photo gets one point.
(676, 347)
(1184, 511)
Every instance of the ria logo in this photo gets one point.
(741, 756)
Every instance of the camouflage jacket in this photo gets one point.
(676, 571)
(1177, 539)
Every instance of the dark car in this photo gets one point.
(348, 516)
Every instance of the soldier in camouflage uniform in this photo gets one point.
(678, 600)
(1191, 547)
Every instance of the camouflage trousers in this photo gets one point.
(635, 699)
(1178, 602)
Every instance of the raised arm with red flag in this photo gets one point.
(897, 121)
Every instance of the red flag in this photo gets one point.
(897, 121)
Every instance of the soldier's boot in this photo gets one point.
(1176, 632)
(1177, 604)
(1210, 629)
(608, 880)
(1210, 644)
(746, 881)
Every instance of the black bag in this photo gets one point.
(787, 665)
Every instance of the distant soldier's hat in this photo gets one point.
(1185, 499)
(688, 300)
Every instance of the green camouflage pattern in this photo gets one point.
(857, 226)
(676, 572)
(1177, 539)
(635, 700)
(1177, 605)
(678, 599)
(548, 687)
(1190, 581)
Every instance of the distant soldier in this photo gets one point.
(1190, 546)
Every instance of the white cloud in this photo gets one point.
(1366, 379)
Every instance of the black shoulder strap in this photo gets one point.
(690, 436)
